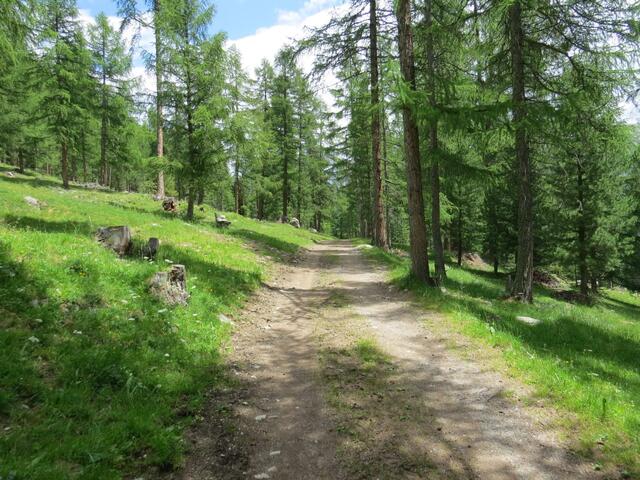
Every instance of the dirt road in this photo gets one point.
(339, 378)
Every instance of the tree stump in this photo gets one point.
(117, 239)
(151, 249)
(169, 204)
(221, 221)
(171, 286)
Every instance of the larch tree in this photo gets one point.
(195, 85)
(111, 66)
(152, 18)
(417, 227)
(65, 68)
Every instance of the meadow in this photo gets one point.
(99, 379)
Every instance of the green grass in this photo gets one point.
(585, 359)
(97, 378)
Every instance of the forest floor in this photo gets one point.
(341, 376)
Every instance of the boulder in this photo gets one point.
(313, 230)
(171, 286)
(117, 239)
(151, 249)
(170, 204)
(528, 320)
(92, 186)
(34, 202)
(221, 221)
(547, 279)
(295, 222)
(10, 174)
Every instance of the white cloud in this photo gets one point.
(290, 26)
(263, 44)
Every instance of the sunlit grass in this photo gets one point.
(97, 378)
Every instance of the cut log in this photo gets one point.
(151, 249)
(170, 204)
(117, 239)
(221, 221)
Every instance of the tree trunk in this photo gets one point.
(582, 236)
(160, 193)
(523, 282)
(190, 203)
(379, 222)
(387, 216)
(260, 207)
(299, 202)
(104, 166)
(438, 250)
(191, 194)
(64, 163)
(417, 227)
(285, 157)
(236, 184)
(460, 244)
(83, 148)
(20, 161)
(74, 167)
(200, 199)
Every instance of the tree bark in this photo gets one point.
(460, 244)
(160, 192)
(236, 184)
(64, 154)
(299, 202)
(417, 227)
(582, 235)
(380, 238)
(190, 203)
(387, 216)
(83, 148)
(20, 161)
(523, 282)
(190, 141)
(104, 166)
(438, 250)
(285, 152)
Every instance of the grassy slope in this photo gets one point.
(585, 359)
(97, 378)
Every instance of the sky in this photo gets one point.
(257, 28)
(239, 18)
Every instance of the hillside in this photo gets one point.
(99, 378)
